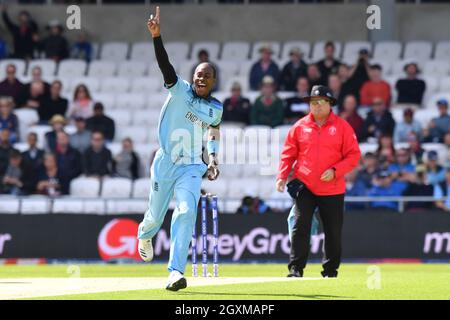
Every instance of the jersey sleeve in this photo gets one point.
(218, 118)
(179, 88)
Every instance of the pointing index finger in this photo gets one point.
(157, 13)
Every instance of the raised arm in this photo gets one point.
(168, 71)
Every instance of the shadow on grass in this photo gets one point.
(305, 296)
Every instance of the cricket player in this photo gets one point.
(186, 115)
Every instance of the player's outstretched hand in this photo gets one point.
(213, 169)
(153, 24)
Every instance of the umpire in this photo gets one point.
(324, 148)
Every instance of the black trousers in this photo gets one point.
(331, 210)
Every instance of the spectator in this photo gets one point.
(35, 98)
(33, 158)
(252, 206)
(236, 108)
(439, 126)
(376, 87)
(441, 190)
(369, 169)
(54, 105)
(11, 86)
(350, 114)
(8, 120)
(293, 70)
(55, 45)
(5, 150)
(410, 89)
(82, 104)
(203, 56)
(385, 186)
(447, 149)
(435, 172)
(415, 148)
(100, 122)
(58, 123)
(385, 151)
(82, 49)
(23, 34)
(68, 159)
(404, 129)
(353, 78)
(97, 159)
(36, 76)
(354, 187)
(379, 121)
(420, 187)
(314, 76)
(294, 107)
(268, 109)
(335, 85)
(264, 67)
(126, 163)
(402, 168)
(329, 64)
(16, 180)
(50, 180)
(81, 139)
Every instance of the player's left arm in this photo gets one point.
(213, 149)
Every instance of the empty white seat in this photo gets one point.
(444, 84)
(274, 45)
(432, 84)
(424, 116)
(231, 170)
(146, 84)
(26, 117)
(436, 68)
(242, 80)
(235, 50)
(267, 187)
(121, 117)
(18, 63)
(352, 48)
(156, 100)
(213, 187)
(115, 85)
(130, 101)
(67, 205)
(138, 134)
(387, 50)
(142, 51)
(21, 146)
(442, 50)
(132, 69)
(177, 50)
(127, 206)
(35, 205)
(418, 50)
(145, 118)
(114, 51)
(116, 188)
(141, 188)
(304, 46)
(227, 69)
(72, 68)
(107, 99)
(212, 47)
(94, 206)
(84, 187)
(318, 52)
(185, 69)
(102, 69)
(47, 66)
(9, 204)
(93, 84)
(368, 147)
(239, 188)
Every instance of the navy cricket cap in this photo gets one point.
(432, 155)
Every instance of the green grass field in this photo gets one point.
(356, 281)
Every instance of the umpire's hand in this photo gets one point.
(281, 184)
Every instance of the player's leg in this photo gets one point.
(161, 192)
(187, 193)
(301, 232)
(331, 209)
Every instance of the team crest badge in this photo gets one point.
(332, 130)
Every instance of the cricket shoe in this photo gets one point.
(295, 272)
(176, 281)
(145, 249)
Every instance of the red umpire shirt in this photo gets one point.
(316, 149)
